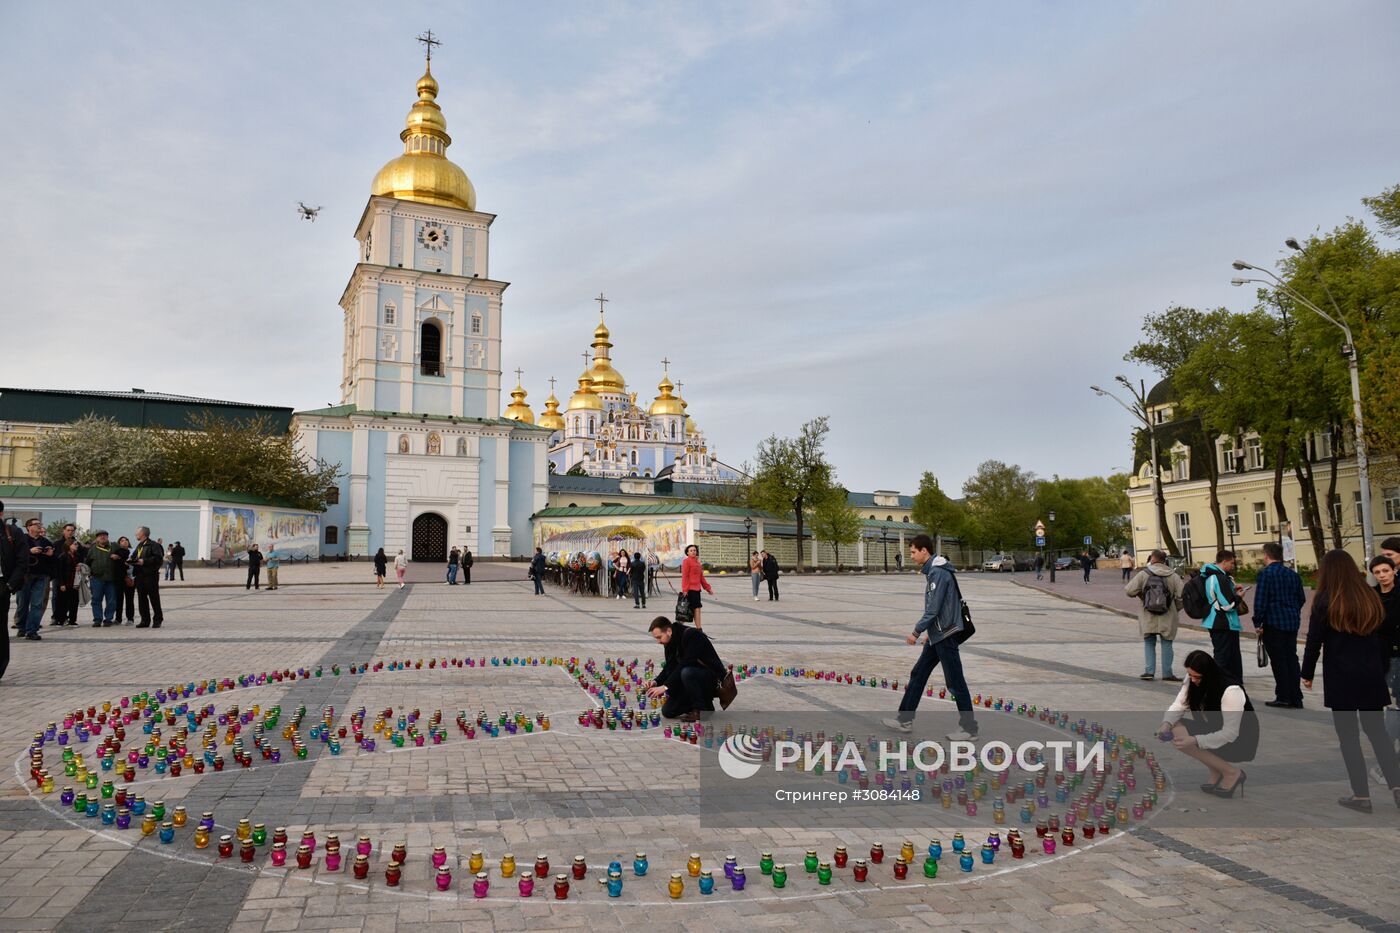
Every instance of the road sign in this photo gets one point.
(1088, 539)
(1040, 540)
(1040, 529)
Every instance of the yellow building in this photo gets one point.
(1246, 492)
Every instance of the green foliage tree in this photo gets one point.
(95, 451)
(792, 472)
(1386, 208)
(1095, 507)
(835, 521)
(1001, 499)
(935, 510)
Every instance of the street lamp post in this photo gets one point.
(748, 527)
(1141, 415)
(885, 543)
(1363, 467)
(1050, 542)
(1230, 526)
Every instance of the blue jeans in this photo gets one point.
(32, 600)
(1149, 654)
(452, 572)
(539, 584)
(757, 578)
(104, 600)
(943, 652)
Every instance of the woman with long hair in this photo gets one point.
(381, 568)
(693, 580)
(1345, 628)
(1222, 728)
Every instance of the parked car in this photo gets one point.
(999, 563)
(1066, 563)
(1025, 563)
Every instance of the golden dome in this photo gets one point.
(602, 375)
(423, 173)
(517, 410)
(584, 398)
(550, 417)
(666, 403)
(690, 427)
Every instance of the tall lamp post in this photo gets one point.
(1050, 542)
(748, 550)
(885, 543)
(1363, 467)
(1140, 413)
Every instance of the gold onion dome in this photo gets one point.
(550, 417)
(423, 173)
(584, 398)
(517, 410)
(667, 403)
(602, 375)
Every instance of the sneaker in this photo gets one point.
(961, 735)
(755, 599)
(898, 725)
(1147, 676)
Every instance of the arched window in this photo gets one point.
(332, 534)
(590, 424)
(906, 519)
(889, 518)
(430, 349)
(673, 430)
(634, 460)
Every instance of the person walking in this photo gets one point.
(938, 628)
(770, 574)
(1039, 566)
(1127, 564)
(125, 581)
(400, 566)
(274, 563)
(1383, 569)
(1087, 563)
(177, 561)
(381, 568)
(467, 561)
(693, 580)
(42, 568)
(689, 679)
(454, 557)
(106, 587)
(537, 571)
(14, 561)
(1222, 730)
(1344, 627)
(755, 573)
(1278, 608)
(146, 560)
(637, 570)
(1224, 599)
(1159, 589)
(255, 561)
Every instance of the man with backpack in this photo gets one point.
(1213, 597)
(942, 624)
(1278, 608)
(1159, 588)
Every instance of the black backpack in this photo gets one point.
(1193, 597)
(1156, 594)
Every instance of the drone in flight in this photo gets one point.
(308, 213)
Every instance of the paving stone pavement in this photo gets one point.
(612, 794)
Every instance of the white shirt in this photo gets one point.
(1231, 704)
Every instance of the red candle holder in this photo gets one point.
(877, 854)
(361, 867)
(861, 871)
(901, 869)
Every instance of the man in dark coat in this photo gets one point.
(14, 560)
(690, 678)
(177, 561)
(637, 570)
(537, 571)
(255, 561)
(38, 573)
(145, 561)
(467, 561)
(770, 574)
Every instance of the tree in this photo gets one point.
(1001, 497)
(245, 456)
(1094, 507)
(1386, 208)
(95, 451)
(791, 473)
(835, 521)
(934, 510)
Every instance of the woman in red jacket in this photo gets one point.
(693, 579)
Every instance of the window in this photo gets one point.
(905, 519)
(1391, 497)
(333, 495)
(1183, 533)
(1226, 449)
(1337, 511)
(476, 322)
(1253, 453)
(1302, 516)
(430, 349)
(1322, 445)
(1181, 462)
(1261, 517)
(1232, 519)
(634, 460)
(390, 313)
(1356, 506)
(590, 424)
(332, 534)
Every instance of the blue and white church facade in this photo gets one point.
(427, 461)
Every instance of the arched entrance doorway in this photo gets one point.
(430, 537)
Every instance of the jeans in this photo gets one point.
(177, 565)
(639, 594)
(621, 584)
(1225, 643)
(1392, 716)
(452, 573)
(692, 688)
(1086, 574)
(1149, 654)
(539, 584)
(104, 600)
(756, 578)
(1282, 648)
(31, 602)
(1349, 724)
(65, 603)
(1127, 574)
(169, 571)
(943, 652)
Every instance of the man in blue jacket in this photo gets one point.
(939, 626)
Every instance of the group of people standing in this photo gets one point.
(763, 567)
(459, 559)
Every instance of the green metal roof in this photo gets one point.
(345, 411)
(132, 492)
(134, 409)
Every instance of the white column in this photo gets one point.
(501, 533)
(203, 548)
(357, 532)
(758, 534)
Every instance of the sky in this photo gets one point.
(937, 223)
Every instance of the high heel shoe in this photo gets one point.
(1211, 788)
(1237, 786)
